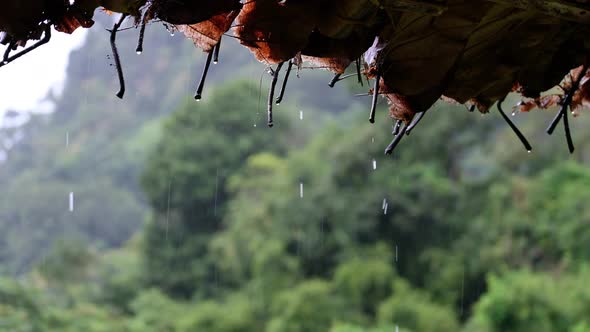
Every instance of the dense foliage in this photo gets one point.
(303, 227)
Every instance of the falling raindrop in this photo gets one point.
(168, 208)
(396, 328)
(71, 201)
(300, 115)
(383, 204)
(462, 291)
(372, 139)
(170, 29)
(300, 189)
(254, 125)
(385, 208)
(216, 191)
(67, 139)
(396, 252)
(374, 164)
(322, 233)
(298, 244)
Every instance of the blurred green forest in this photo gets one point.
(194, 216)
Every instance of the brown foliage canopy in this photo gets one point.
(468, 51)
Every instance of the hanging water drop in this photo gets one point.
(514, 113)
(216, 191)
(71, 201)
(138, 52)
(374, 164)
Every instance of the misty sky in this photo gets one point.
(24, 82)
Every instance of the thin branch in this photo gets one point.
(568, 133)
(116, 56)
(396, 127)
(338, 78)
(358, 71)
(567, 101)
(523, 139)
(8, 50)
(415, 122)
(375, 95)
(199, 93)
(139, 48)
(216, 52)
(396, 140)
(271, 94)
(555, 121)
(367, 94)
(284, 86)
(334, 80)
(41, 42)
(563, 111)
(134, 27)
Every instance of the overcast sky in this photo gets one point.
(28, 79)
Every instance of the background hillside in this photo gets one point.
(94, 145)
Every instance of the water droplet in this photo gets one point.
(374, 164)
(300, 115)
(254, 125)
(300, 189)
(396, 328)
(67, 139)
(529, 151)
(372, 139)
(385, 208)
(383, 205)
(278, 104)
(138, 52)
(215, 62)
(71, 201)
(171, 33)
(168, 208)
(513, 113)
